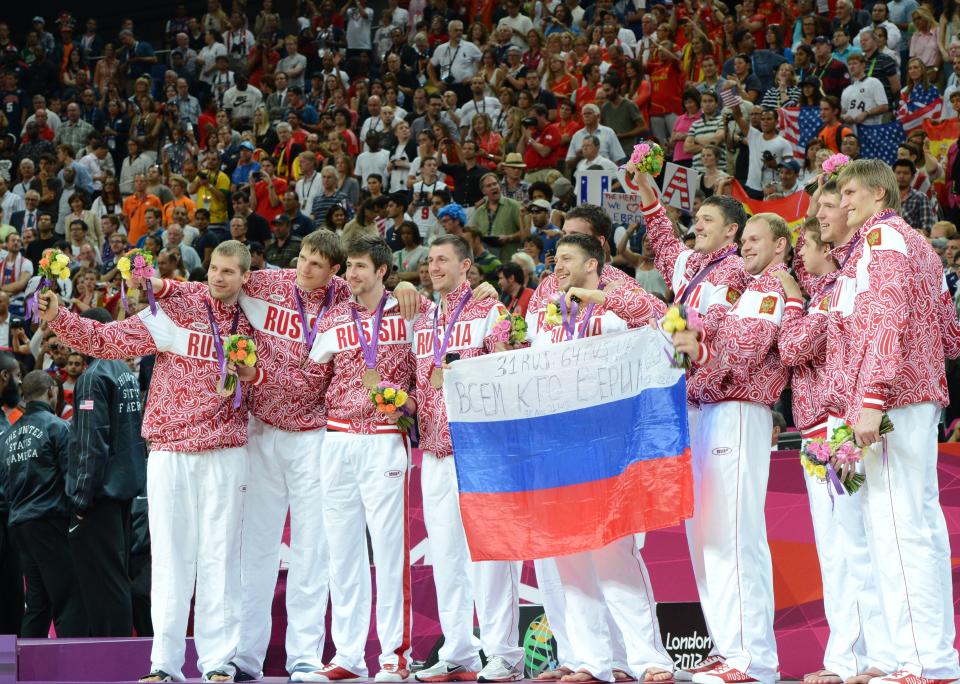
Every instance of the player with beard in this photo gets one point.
(618, 584)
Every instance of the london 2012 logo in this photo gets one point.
(539, 647)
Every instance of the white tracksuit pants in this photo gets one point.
(493, 585)
(285, 470)
(909, 544)
(858, 636)
(365, 487)
(555, 606)
(611, 581)
(196, 507)
(727, 534)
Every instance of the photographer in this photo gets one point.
(767, 150)
(454, 63)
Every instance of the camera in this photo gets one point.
(767, 156)
(451, 357)
(449, 80)
(203, 175)
(257, 175)
(16, 322)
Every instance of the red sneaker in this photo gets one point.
(392, 673)
(904, 677)
(329, 673)
(723, 675)
(708, 664)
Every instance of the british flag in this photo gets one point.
(798, 125)
(910, 120)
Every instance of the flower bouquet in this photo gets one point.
(239, 350)
(52, 265)
(647, 157)
(139, 263)
(816, 457)
(389, 399)
(832, 166)
(677, 319)
(512, 328)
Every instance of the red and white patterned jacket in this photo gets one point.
(548, 290)
(472, 335)
(184, 411)
(891, 323)
(739, 361)
(803, 348)
(288, 398)
(624, 308)
(339, 363)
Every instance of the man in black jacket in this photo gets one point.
(11, 577)
(33, 463)
(106, 469)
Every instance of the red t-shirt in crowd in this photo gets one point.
(666, 87)
(549, 136)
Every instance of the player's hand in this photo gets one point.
(586, 296)
(408, 300)
(485, 291)
(790, 286)
(246, 373)
(687, 342)
(867, 429)
(49, 306)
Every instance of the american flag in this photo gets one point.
(915, 119)
(86, 405)
(798, 125)
(880, 141)
(729, 97)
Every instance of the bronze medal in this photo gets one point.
(371, 379)
(436, 378)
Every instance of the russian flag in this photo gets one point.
(568, 447)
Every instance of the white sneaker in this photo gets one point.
(391, 673)
(499, 670)
(445, 671)
(327, 673)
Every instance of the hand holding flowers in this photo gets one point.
(391, 401)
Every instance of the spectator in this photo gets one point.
(864, 100)
(300, 223)
(284, 247)
(916, 208)
(46, 238)
(785, 92)
(682, 126)
(767, 149)
(539, 144)
(878, 65)
(211, 188)
(919, 91)
(788, 182)
(485, 260)
(707, 130)
(135, 207)
(173, 238)
(514, 293)
(832, 132)
(623, 116)
(764, 62)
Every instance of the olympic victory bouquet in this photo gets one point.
(647, 157)
(53, 264)
(137, 263)
(677, 319)
(846, 454)
(832, 166)
(818, 460)
(513, 326)
(389, 400)
(241, 350)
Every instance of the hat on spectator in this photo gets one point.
(281, 218)
(39, 20)
(514, 48)
(791, 164)
(454, 211)
(247, 145)
(821, 40)
(811, 81)
(514, 160)
(540, 204)
(561, 187)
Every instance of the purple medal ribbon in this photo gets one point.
(703, 273)
(310, 331)
(218, 347)
(835, 481)
(150, 296)
(32, 307)
(369, 349)
(569, 322)
(440, 349)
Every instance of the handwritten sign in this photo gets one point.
(589, 186)
(622, 208)
(680, 186)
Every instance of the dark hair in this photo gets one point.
(732, 210)
(543, 187)
(691, 94)
(372, 246)
(256, 247)
(512, 270)
(535, 239)
(202, 210)
(411, 226)
(460, 246)
(906, 162)
(833, 101)
(98, 314)
(588, 244)
(328, 217)
(598, 219)
(613, 79)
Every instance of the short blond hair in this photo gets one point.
(875, 174)
(949, 228)
(235, 250)
(778, 227)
